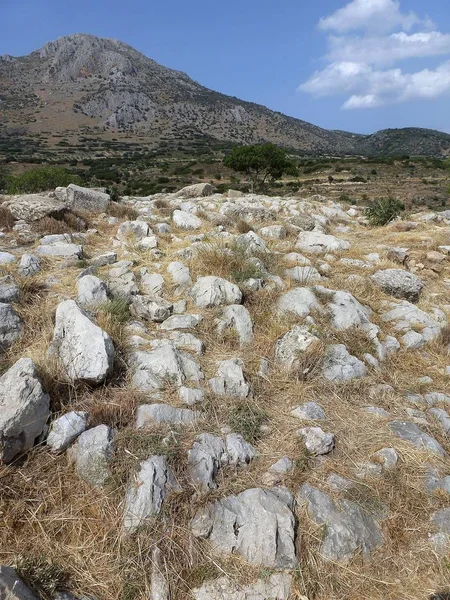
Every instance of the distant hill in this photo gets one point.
(82, 84)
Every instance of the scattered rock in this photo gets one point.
(317, 442)
(65, 430)
(80, 198)
(148, 414)
(230, 380)
(92, 453)
(215, 291)
(412, 433)
(399, 283)
(340, 365)
(13, 588)
(238, 318)
(91, 291)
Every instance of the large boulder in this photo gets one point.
(196, 191)
(147, 492)
(237, 318)
(32, 207)
(212, 291)
(24, 409)
(340, 365)
(12, 587)
(348, 528)
(318, 242)
(85, 350)
(29, 265)
(186, 220)
(81, 198)
(11, 325)
(91, 291)
(399, 283)
(65, 429)
(257, 524)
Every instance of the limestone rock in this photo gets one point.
(240, 452)
(412, 433)
(310, 411)
(317, 242)
(303, 275)
(91, 291)
(33, 207)
(151, 308)
(80, 198)
(13, 588)
(317, 442)
(11, 325)
(399, 283)
(340, 365)
(181, 322)
(257, 525)
(6, 258)
(205, 458)
(238, 318)
(86, 351)
(24, 409)
(196, 190)
(9, 292)
(29, 265)
(212, 291)
(292, 344)
(93, 452)
(180, 273)
(65, 430)
(147, 492)
(276, 587)
(298, 301)
(148, 414)
(348, 530)
(230, 380)
(186, 220)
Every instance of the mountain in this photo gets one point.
(82, 84)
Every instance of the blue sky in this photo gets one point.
(358, 65)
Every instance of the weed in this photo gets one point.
(247, 419)
(383, 211)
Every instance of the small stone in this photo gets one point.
(93, 452)
(149, 414)
(310, 411)
(65, 430)
(317, 442)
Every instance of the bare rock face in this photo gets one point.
(11, 325)
(80, 198)
(349, 529)
(32, 207)
(211, 291)
(86, 351)
(257, 524)
(196, 191)
(24, 409)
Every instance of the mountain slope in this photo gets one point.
(81, 82)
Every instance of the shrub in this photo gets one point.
(40, 180)
(383, 211)
(6, 218)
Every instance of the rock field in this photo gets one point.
(222, 397)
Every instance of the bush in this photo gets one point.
(40, 180)
(383, 211)
(6, 218)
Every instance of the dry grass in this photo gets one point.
(6, 218)
(122, 211)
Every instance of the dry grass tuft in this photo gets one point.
(7, 219)
(122, 211)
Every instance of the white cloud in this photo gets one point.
(373, 15)
(378, 50)
(370, 88)
(358, 64)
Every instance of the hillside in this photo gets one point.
(81, 84)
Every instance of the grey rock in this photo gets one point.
(230, 380)
(377, 411)
(277, 586)
(442, 417)
(91, 291)
(186, 220)
(399, 283)
(196, 190)
(412, 433)
(80, 198)
(388, 457)
(61, 250)
(292, 344)
(303, 275)
(406, 316)
(133, 231)
(12, 587)
(187, 341)
(257, 525)
(151, 308)
(152, 284)
(86, 351)
(317, 442)
(147, 492)
(340, 365)
(317, 242)
(9, 292)
(149, 414)
(349, 529)
(11, 325)
(29, 265)
(282, 466)
(205, 459)
(92, 453)
(108, 258)
(310, 411)
(239, 451)
(181, 322)
(191, 396)
(211, 291)
(275, 232)
(299, 302)
(24, 409)
(122, 282)
(238, 318)
(65, 430)
(33, 207)
(441, 520)
(165, 365)
(251, 243)
(159, 586)
(6, 258)
(337, 483)
(180, 273)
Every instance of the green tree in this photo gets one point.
(40, 179)
(260, 163)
